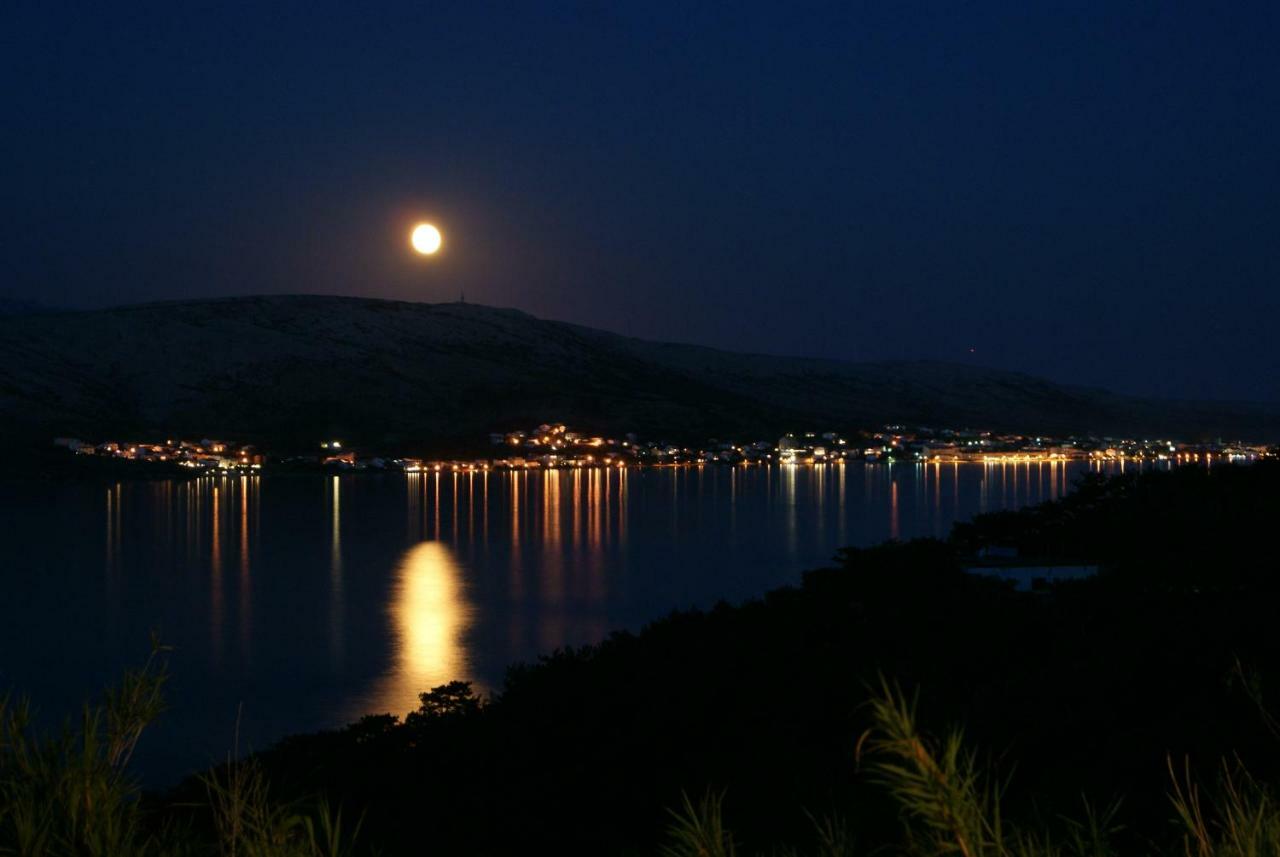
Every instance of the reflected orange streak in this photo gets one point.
(215, 576)
(245, 602)
(893, 510)
(336, 641)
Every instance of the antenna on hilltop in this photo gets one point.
(462, 296)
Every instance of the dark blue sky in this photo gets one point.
(1087, 191)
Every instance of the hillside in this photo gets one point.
(291, 369)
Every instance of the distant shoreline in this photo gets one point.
(91, 469)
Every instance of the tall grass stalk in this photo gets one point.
(1241, 818)
(698, 830)
(248, 823)
(71, 793)
(951, 803)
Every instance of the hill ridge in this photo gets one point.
(293, 368)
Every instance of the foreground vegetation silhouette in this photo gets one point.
(1124, 714)
(951, 804)
(70, 794)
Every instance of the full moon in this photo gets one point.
(425, 239)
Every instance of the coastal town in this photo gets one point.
(557, 446)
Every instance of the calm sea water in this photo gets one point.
(296, 603)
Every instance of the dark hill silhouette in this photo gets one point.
(291, 369)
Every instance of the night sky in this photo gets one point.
(1086, 191)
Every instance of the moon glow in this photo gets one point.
(425, 239)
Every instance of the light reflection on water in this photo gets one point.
(313, 600)
(430, 614)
